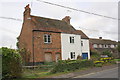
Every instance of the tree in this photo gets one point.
(11, 63)
(118, 46)
(17, 44)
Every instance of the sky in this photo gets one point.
(93, 26)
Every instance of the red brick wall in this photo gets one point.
(40, 47)
(25, 38)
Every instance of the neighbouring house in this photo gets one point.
(104, 44)
(49, 40)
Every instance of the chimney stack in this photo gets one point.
(27, 12)
(67, 19)
(100, 37)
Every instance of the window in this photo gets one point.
(81, 43)
(95, 45)
(105, 46)
(71, 39)
(47, 38)
(72, 55)
(100, 45)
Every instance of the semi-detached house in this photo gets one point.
(50, 39)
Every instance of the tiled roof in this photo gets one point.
(83, 36)
(48, 24)
(102, 41)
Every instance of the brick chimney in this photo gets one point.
(100, 37)
(67, 19)
(27, 12)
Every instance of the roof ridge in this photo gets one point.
(46, 18)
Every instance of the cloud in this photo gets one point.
(10, 29)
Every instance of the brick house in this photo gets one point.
(103, 44)
(50, 39)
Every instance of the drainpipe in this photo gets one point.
(33, 47)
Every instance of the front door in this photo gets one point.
(84, 55)
(48, 57)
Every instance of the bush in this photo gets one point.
(98, 65)
(94, 55)
(108, 53)
(71, 65)
(79, 57)
(106, 59)
(11, 63)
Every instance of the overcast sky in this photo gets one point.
(93, 26)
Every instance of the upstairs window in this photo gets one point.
(95, 45)
(105, 46)
(71, 39)
(47, 38)
(72, 54)
(81, 43)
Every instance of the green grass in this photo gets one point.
(38, 73)
(116, 59)
(0, 66)
(43, 71)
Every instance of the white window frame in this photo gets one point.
(82, 43)
(47, 38)
(72, 39)
(72, 55)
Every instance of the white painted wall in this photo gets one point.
(68, 47)
(86, 47)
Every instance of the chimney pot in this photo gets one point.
(67, 19)
(27, 7)
(27, 12)
(100, 37)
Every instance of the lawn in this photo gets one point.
(38, 73)
(116, 59)
(43, 71)
(0, 66)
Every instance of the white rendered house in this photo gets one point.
(70, 46)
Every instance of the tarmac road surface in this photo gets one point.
(110, 73)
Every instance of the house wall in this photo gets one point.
(40, 48)
(86, 47)
(68, 47)
(25, 38)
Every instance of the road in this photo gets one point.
(110, 73)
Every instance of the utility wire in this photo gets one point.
(31, 3)
(11, 18)
(108, 32)
(78, 10)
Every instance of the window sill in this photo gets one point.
(47, 43)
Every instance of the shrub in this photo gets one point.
(106, 59)
(79, 57)
(107, 53)
(11, 63)
(98, 65)
(71, 65)
(94, 55)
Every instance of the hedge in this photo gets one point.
(11, 63)
(71, 65)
